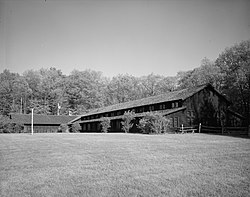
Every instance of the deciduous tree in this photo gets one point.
(234, 63)
(127, 119)
(105, 124)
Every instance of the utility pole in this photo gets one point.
(32, 121)
(58, 109)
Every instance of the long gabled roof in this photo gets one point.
(169, 96)
(41, 119)
(163, 112)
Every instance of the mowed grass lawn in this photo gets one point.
(124, 165)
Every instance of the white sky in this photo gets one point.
(115, 36)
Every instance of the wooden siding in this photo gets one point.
(177, 119)
(205, 107)
(42, 128)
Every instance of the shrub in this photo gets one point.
(153, 123)
(127, 119)
(6, 126)
(18, 128)
(75, 127)
(144, 125)
(105, 123)
(63, 128)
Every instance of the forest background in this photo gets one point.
(49, 91)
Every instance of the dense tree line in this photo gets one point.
(49, 91)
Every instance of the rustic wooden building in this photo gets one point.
(41, 123)
(191, 106)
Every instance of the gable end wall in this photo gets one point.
(206, 107)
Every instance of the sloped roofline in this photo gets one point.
(208, 85)
(137, 115)
(40, 119)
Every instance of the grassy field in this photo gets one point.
(124, 165)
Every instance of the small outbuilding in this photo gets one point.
(41, 123)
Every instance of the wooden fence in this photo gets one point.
(183, 129)
(235, 131)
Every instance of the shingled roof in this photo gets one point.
(169, 96)
(41, 119)
(163, 112)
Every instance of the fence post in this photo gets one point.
(182, 128)
(200, 128)
(222, 129)
(32, 121)
(248, 130)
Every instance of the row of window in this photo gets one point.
(97, 127)
(190, 113)
(190, 121)
(162, 106)
(174, 122)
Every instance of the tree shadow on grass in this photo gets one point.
(229, 135)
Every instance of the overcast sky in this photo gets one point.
(115, 36)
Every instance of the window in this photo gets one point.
(118, 124)
(84, 127)
(160, 107)
(176, 121)
(151, 108)
(173, 105)
(176, 104)
(190, 113)
(171, 122)
(163, 106)
(192, 121)
(98, 127)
